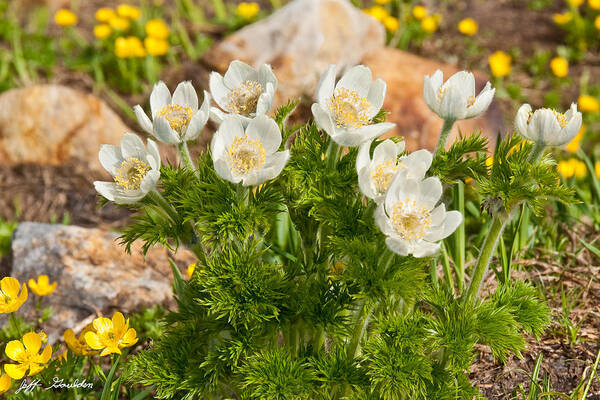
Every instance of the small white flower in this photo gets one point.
(243, 90)
(174, 119)
(248, 155)
(135, 170)
(455, 99)
(375, 175)
(345, 110)
(548, 126)
(410, 219)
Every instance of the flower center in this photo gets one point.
(178, 116)
(562, 120)
(131, 173)
(246, 155)
(349, 109)
(244, 99)
(410, 220)
(383, 174)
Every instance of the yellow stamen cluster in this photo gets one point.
(178, 116)
(246, 155)
(244, 99)
(562, 120)
(441, 92)
(349, 109)
(410, 220)
(131, 173)
(383, 174)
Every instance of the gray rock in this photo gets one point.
(94, 274)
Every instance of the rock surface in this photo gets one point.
(404, 74)
(94, 274)
(300, 40)
(50, 124)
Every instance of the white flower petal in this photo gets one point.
(237, 73)
(265, 100)
(569, 131)
(164, 132)
(323, 119)
(153, 151)
(453, 104)
(149, 181)
(185, 94)
(398, 246)
(110, 157)
(521, 121)
(143, 119)
(363, 158)
(217, 116)
(376, 96)
(357, 79)
(465, 81)
(195, 126)
(326, 86)
(159, 98)
(222, 169)
(384, 151)
(230, 128)
(431, 191)
(133, 146)
(106, 189)
(266, 131)
(365, 184)
(425, 249)
(218, 89)
(545, 124)
(276, 164)
(482, 102)
(266, 75)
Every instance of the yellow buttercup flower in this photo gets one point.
(575, 3)
(597, 169)
(127, 11)
(419, 12)
(429, 24)
(156, 47)
(562, 19)
(111, 335)
(391, 23)
(64, 17)
(377, 12)
(26, 353)
(597, 22)
(5, 382)
(10, 299)
(157, 28)
(102, 31)
(588, 103)
(468, 27)
(500, 63)
(247, 10)
(105, 14)
(595, 4)
(42, 287)
(127, 47)
(565, 169)
(190, 270)
(119, 23)
(579, 168)
(574, 144)
(78, 345)
(559, 66)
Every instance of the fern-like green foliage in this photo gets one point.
(296, 295)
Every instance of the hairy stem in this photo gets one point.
(446, 128)
(487, 251)
(537, 151)
(184, 153)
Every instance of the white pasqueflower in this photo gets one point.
(455, 99)
(410, 219)
(547, 126)
(243, 90)
(376, 174)
(174, 119)
(345, 110)
(135, 170)
(248, 154)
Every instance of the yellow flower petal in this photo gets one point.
(10, 286)
(32, 342)
(92, 340)
(130, 338)
(5, 382)
(15, 371)
(15, 350)
(34, 369)
(45, 356)
(102, 325)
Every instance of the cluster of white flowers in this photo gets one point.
(245, 147)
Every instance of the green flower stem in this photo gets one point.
(106, 391)
(362, 318)
(160, 201)
(15, 324)
(184, 153)
(487, 251)
(446, 128)
(333, 154)
(537, 152)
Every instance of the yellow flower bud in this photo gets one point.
(157, 28)
(559, 67)
(595, 4)
(102, 31)
(247, 10)
(468, 27)
(576, 3)
(391, 23)
(597, 22)
(105, 14)
(377, 12)
(565, 169)
(597, 169)
(588, 103)
(419, 12)
(500, 63)
(579, 168)
(562, 19)
(64, 17)
(156, 47)
(429, 24)
(127, 11)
